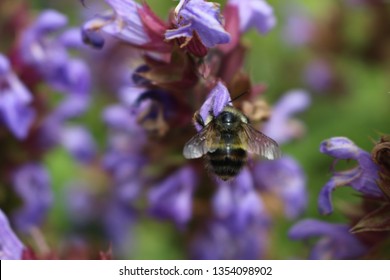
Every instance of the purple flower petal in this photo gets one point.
(298, 30)
(217, 242)
(119, 221)
(340, 148)
(238, 203)
(72, 38)
(172, 198)
(255, 14)
(281, 127)
(336, 241)
(49, 21)
(214, 243)
(4, 65)
(217, 99)
(72, 77)
(81, 203)
(16, 115)
(32, 183)
(287, 181)
(201, 17)
(123, 22)
(79, 143)
(318, 75)
(362, 178)
(120, 117)
(11, 248)
(73, 105)
(14, 102)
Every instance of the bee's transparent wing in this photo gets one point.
(200, 144)
(260, 144)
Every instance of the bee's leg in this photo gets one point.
(198, 119)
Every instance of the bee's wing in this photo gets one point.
(260, 144)
(201, 143)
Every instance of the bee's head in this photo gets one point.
(227, 118)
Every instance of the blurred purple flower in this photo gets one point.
(318, 75)
(15, 99)
(254, 14)
(217, 99)
(238, 203)
(125, 166)
(119, 219)
(79, 143)
(238, 229)
(336, 242)
(288, 181)
(123, 156)
(32, 183)
(172, 198)
(281, 127)
(201, 18)
(120, 117)
(217, 242)
(81, 203)
(49, 54)
(123, 22)
(72, 106)
(363, 178)
(11, 248)
(298, 29)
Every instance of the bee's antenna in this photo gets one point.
(238, 96)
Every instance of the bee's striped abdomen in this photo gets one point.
(226, 163)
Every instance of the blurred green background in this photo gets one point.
(358, 110)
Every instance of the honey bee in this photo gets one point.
(225, 140)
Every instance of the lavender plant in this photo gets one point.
(118, 93)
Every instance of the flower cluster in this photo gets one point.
(194, 62)
(158, 74)
(43, 86)
(370, 224)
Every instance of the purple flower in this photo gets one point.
(318, 75)
(238, 203)
(124, 158)
(281, 127)
(71, 106)
(15, 99)
(79, 143)
(254, 14)
(217, 242)
(218, 98)
(49, 54)
(287, 181)
(32, 183)
(172, 198)
(238, 229)
(123, 22)
(37, 48)
(11, 248)
(336, 242)
(119, 220)
(81, 203)
(363, 178)
(199, 18)
(298, 30)
(128, 21)
(121, 118)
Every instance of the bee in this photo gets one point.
(225, 140)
